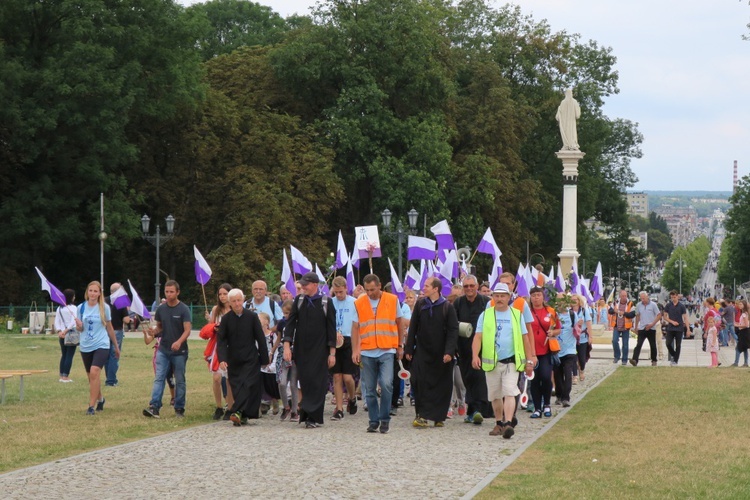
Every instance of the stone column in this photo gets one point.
(570, 159)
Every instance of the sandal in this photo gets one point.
(536, 414)
(547, 412)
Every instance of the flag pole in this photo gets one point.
(472, 257)
(205, 302)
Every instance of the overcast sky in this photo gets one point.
(684, 71)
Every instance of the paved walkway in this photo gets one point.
(338, 460)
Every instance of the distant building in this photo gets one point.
(637, 204)
(682, 223)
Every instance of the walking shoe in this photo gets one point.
(264, 407)
(634, 362)
(400, 402)
(100, 405)
(575, 380)
(477, 418)
(385, 427)
(236, 418)
(218, 413)
(653, 363)
(227, 414)
(337, 415)
(309, 424)
(624, 363)
(91, 411)
(373, 427)
(744, 366)
(294, 417)
(179, 412)
(557, 401)
(530, 407)
(497, 430)
(285, 414)
(151, 412)
(514, 421)
(615, 361)
(420, 423)
(508, 431)
(351, 406)
(536, 414)
(462, 410)
(439, 424)
(734, 365)
(393, 412)
(547, 412)
(566, 404)
(469, 419)
(450, 413)
(411, 401)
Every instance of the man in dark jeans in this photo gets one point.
(646, 316)
(675, 314)
(120, 318)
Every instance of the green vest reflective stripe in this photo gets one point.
(489, 331)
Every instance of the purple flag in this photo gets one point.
(597, 282)
(522, 288)
(324, 286)
(574, 281)
(342, 257)
(446, 272)
(351, 284)
(119, 298)
(202, 270)
(443, 236)
(54, 293)
(300, 263)
(559, 280)
(413, 277)
(396, 287)
(137, 306)
(497, 270)
(419, 248)
(287, 276)
(487, 245)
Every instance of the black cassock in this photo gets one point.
(242, 344)
(433, 333)
(474, 380)
(312, 333)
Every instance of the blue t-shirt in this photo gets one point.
(376, 353)
(405, 311)
(94, 335)
(503, 331)
(265, 307)
(585, 315)
(566, 337)
(346, 314)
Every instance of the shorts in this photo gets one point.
(502, 381)
(95, 358)
(344, 363)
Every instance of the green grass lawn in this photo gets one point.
(643, 433)
(50, 422)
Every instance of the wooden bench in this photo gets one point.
(21, 374)
(2, 387)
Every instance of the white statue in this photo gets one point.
(567, 114)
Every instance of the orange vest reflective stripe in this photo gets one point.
(628, 324)
(377, 330)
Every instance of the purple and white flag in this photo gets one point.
(351, 283)
(54, 293)
(300, 263)
(413, 277)
(119, 298)
(488, 245)
(584, 290)
(446, 272)
(522, 287)
(551, 276)
(287, 276)
(497, 270)
(396, 287)
(420, 248)
(443, 235)
(202, 270)
(324, 285)
(574, 280)
(137, 306)
(597, 288)
(342, 257)
(560, 280)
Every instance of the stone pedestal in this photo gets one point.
(569, 252)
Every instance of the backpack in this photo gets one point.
(301, 298)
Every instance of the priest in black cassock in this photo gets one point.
(241, 347)
(430, 346)
(310, 338)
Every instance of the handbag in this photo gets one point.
(553, 344)
(72, 337)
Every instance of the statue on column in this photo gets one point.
(567, 114)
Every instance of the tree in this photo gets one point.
(734, 264)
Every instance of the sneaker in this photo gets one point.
(236, 418)
(411, 401)
(151, 412)
(400, 402)
(450, 413)
(557, 401)
(734, 365)
(337, 415)
(439, 424)
(469, 419)
(91, 411)
(420, 423)
(294, 417)
(462, 410)
(672, 363)
(566, 404)
(575, 380)
(110, 385)
(514, 422)
(615, 361)
(624, 363)
(536, 414)
(653, 363)
(508, 431)
(100, 405)
(530, 407)
(218, 413)
(351, 406)
(309, 424)
(547, 412)
(393, 412)
(264, 407)
(497, 430)
(285, 414)
(477, 418)
(227, 414)
(373, 427)
(385, 427)
(634, 362)
(179, 413)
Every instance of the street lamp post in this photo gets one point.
(400, 233)
(157, 240)
(528, 262)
